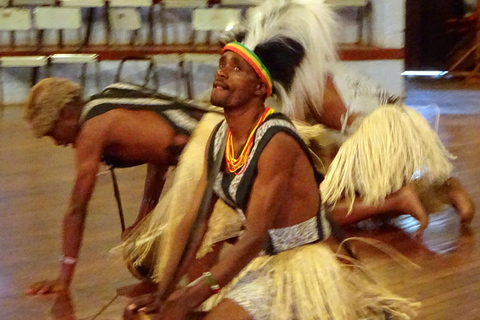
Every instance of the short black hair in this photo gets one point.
(281, 56)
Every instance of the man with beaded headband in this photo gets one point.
(280, 266)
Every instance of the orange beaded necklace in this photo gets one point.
(233, 165)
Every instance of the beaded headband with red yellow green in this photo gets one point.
(252, 60)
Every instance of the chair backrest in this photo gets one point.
(238, 2)
(184, 3)
(171, 58)
(130, 3)
(73, 58)
(82, 3)
(163, 62)
(12, 19)
(137, 61)
(27, 61)
(206, 20)
(202, 58)
(33, 2)
(57, 18)
(125, 19)
(215, 19)
(346, 3)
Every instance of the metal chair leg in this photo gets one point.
(97, 76)
(187, 78)
(2, 101)
(83, 75)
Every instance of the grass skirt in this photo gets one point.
(148, 246)
(307, 283)
(388, 149)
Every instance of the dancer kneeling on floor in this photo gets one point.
(280, 267)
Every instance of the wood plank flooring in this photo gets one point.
(35, 182)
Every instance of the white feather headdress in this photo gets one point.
(309, 23)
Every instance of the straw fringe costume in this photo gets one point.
(308, 283)
(388, 145)
(147, 249)
(387, 150)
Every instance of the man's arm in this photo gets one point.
(88, 158)
(154, 183)
(333, 108)
(89, 148)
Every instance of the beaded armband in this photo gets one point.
(211, 281)
(67, 260)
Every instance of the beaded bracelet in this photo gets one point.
(67, 260)
(211, 281)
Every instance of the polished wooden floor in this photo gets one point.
(35, 182)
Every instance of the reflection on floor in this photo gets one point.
(35, 182)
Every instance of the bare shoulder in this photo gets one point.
(282, 151)
(96, 127)
(93, 134)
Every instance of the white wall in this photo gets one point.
(385, 26)
(388, 23)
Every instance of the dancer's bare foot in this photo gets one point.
(408, 203)
(460, 199)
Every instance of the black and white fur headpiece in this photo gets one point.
(295, 41)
